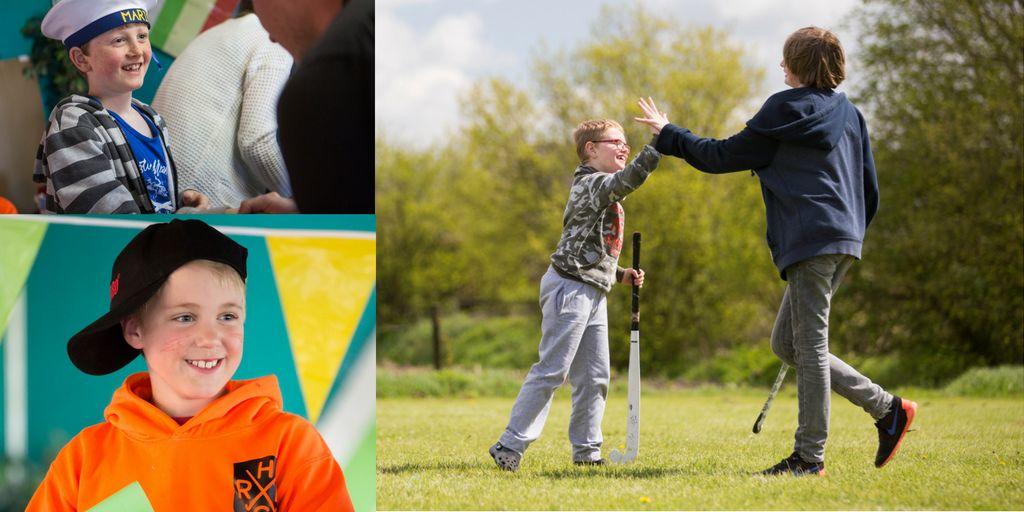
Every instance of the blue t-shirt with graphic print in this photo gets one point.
(152, 161)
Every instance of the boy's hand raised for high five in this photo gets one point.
(653, 118)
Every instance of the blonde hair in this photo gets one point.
(589, 131)
(815, 57)
(224, 274)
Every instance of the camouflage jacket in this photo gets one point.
(593, 221)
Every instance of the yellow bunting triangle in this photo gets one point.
(324, 284)
(19, 243)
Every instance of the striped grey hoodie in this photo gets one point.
(593, 221)
(87, 164)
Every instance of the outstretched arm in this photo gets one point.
(611, 187)
(745, 150)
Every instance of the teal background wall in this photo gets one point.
(13, 14)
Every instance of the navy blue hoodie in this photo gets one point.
(810, 149)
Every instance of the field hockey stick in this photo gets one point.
(771, 396)
(633, 415)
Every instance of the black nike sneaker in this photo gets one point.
(794, 465)
(598, 462)
(892, 427)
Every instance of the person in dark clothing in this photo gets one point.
(325, 114)
(809, 148)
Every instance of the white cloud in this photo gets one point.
(429, 52)
(421, 71)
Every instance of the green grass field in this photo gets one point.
(697, 452)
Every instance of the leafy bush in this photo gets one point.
(467, 340)
(989, 382)
(424, 382)
(754, 365)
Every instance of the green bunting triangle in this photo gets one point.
(19, 243)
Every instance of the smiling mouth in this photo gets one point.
(205, 364)
(132, 67)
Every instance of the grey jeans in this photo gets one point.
(573, 346)
(800, 338)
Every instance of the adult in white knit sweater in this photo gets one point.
(219, 100)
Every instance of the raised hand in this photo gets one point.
(653, 118)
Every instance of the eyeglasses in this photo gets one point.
(618, 143)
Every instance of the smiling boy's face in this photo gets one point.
(609, 152)
(191, 336)
(117, 60)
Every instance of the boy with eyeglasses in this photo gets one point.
(574, 326)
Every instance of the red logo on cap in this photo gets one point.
(113, 286)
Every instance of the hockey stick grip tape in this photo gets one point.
(635, 325)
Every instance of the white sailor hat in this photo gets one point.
(76, 22)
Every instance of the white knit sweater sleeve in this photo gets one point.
(257, 124)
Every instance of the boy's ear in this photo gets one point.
(131, 328)
(80, 60)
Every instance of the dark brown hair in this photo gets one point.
(815, 57)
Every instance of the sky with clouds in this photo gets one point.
(429, 52)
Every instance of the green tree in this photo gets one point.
(503, 181)
(943, 85)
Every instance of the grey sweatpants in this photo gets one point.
(573, 345)
(800, 338)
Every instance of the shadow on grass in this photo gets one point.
(567, 473)
(397, 469)
(618, 472)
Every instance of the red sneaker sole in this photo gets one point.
(911, 409)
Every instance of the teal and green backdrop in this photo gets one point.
(310, 320)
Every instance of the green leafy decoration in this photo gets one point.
(50, 59)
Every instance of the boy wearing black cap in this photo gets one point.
(183, 436)
(105, 152)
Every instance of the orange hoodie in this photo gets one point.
(240, 453)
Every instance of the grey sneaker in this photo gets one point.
(505, 458)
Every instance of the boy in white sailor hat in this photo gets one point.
(107, 152)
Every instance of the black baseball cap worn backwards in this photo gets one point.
(139, 271)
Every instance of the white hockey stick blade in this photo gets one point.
(633, 417)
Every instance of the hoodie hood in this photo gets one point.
(804, 116)
(248, 402)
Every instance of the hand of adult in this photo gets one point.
(654, 118)
(268, 203)
(195, 199)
